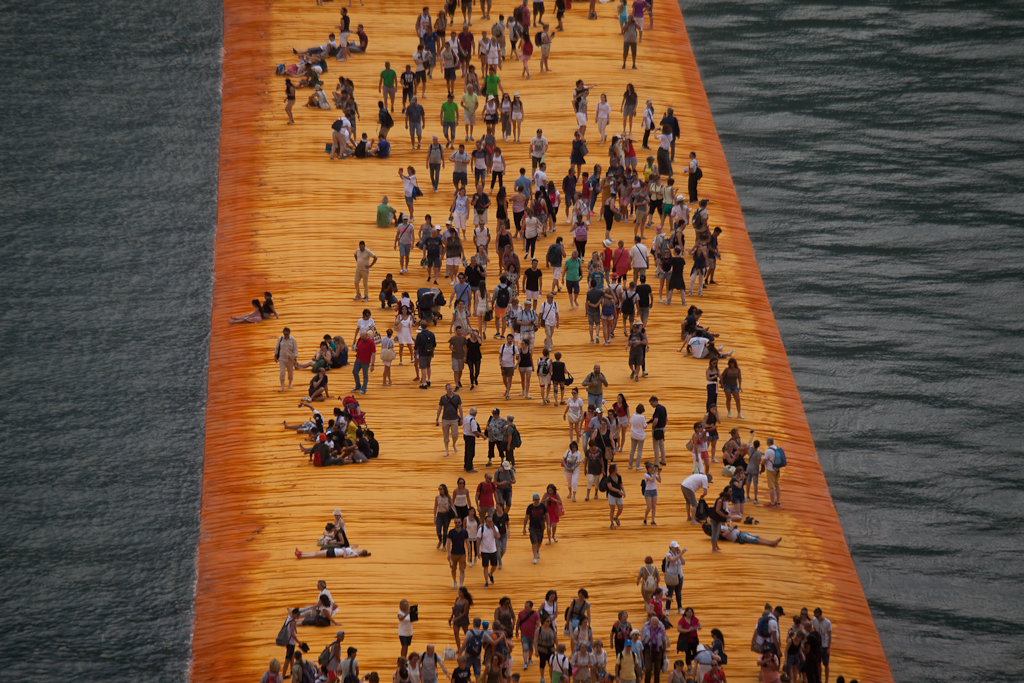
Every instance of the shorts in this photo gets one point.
(532, 295)
(289, 651)
(773, 479)
(459, 177)
(449, 74)
(420, 77)
(507, 372)
(459, 220)
(406, 641)
(499, 313)
(737, 495)
(593, 479)
(650, 493)
(752, 478)
(664, 274)
(416, 128)
(689, 495)
(424, 362)
(404, 249)
(595, 400)
(614, 500)
(479, 218)
(581, 118)
(434, 261)
(458, 562)
(630, 162)
(824, 655)
(536, 535)
(489, 559)
(388, 90)
(469, 117)
(458, 363)
(544, 380)
(572, 286)
(453, 260)
(593, 316)
(730, 389)
(644, 311)
(556, 272)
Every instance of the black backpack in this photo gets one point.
(602, 485)
(388, 121)
(502, 298)
(474, 642)
(702, 510)
(629, 303)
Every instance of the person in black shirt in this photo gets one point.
(658, 421)
(558, 380)
(532, 277)
(318, 387)
(424, 346)
(501, 521)
(475, 275)
(537, 519)
(473, 358)
(363, 148)
(644, 302)
(457, 538)
(673, 123)
(462, 673)
(432, 246)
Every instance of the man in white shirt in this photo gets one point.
(770, 460)
(538, 148)
(470, 432)
(824, 629)
(420, 60)
(690, 486)
(540, 177)
(639, 258)
(527, 319)
(508, 358)
(488, 536)
(549, 319)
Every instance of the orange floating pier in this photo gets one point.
(289, 221)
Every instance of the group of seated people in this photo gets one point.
(343, 144)
(699, 340)
(343, 440)
(333, 543)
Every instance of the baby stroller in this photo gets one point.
(429, 301)
(351, 408)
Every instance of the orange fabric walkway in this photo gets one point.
(289, 221)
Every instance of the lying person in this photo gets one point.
(315, 424)
(328, 49)
(333, 552)
(733, 534)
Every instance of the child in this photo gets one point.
(387, 354)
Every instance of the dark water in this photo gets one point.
(877, 152)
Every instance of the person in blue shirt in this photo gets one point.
(383, 150)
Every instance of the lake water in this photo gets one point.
(877, 154)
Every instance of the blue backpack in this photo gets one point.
(780, 457)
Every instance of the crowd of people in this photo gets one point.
(496, 278)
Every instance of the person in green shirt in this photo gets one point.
(386, 85)
(492, 83)
(385, 214)
(572, 278)
(449, 120)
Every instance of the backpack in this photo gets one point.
(325, 656)
(602, 485)
(702, 510)
(629, 303)
(516, 441)
(429, 344)
(580, 232)
(285, 634)
(650, 581)
(544, 367)
(309, 672)
(780, 458)
(698, 221)
(388, 121)
(698, 174)
(474, 641)
(536, 38)
(553, 252)
(502, 298)
(762, 629)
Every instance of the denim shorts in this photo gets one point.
(651, 493)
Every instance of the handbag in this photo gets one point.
(388, 355)
(448, 653)
(688, 445)
(728, 471)
(568, 379)
(671, 579)
(489, 315)
(584, 150)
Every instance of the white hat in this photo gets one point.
(337, 512)
(673, 544)
(506, 465)
(680, 198)
(701, 648)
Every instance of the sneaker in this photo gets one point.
(525, 667)
(535, 562)
(756, 501)
(455, 585)
(729, 414)
(739, 415)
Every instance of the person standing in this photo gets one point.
(449, 417)
(404, 626)
(774, 460)
(616, 492)
(508, 359)
(652, 477)
(639, 258)
(672, 122)
(538, 148)
(655, 642)
(386, 86)
(365, 259)
(470, 432)
(366, 354)
(291, 624)
(637, 344)
(693, 173)
(674, 575)
(658, 421)
(456, 547)
(286, 353)
(823, 627)
(289, 99)
(594, 383)
(537, 519)
(637, 435)
(630, 36)
(512, 440)
(496, 428)
(549, 319)
(424, 346)
(487, 536)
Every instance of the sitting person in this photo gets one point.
(254, 317)
(734, 451)
(364, 148)
(321, 614)
(383, 148)
(318, 387)
(320, 453)
(362, 43)
(333, 537)
(340, 351)
(318, 99)
(268, 306)
(315, 424)
(702, 347)
(388, 289)
(322, 359)
(386, 213)
(308, 610)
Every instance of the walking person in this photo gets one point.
(366, 355)
(694, 174)
(470, 433)
(657, 422)
(456, 549)
(496, 428)
(444, 510)
(571, 461)
(365, 259)
(616, 493)
(286, 353)
(674, 575)
(449, 417)
(536, 518)
(637, 435)
(774, 460)
(508, 360)
(652, 477)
